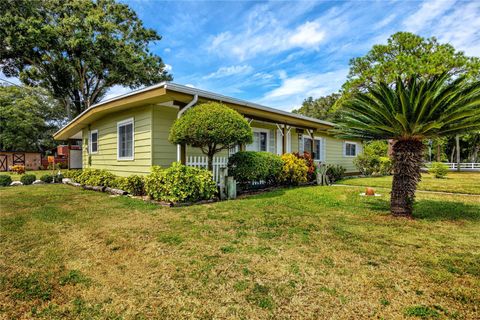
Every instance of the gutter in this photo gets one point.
(179, 114)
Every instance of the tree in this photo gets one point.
(320, 108)
(28, 119)
(409, 112)
(404, 55)
(212, 127)
(77, 49)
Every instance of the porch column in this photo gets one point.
(312, 142)
(183, 154)
(284, 139)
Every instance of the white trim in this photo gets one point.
(345, 149)
(322, 145)
(122, 123)
(90, 141)
(267, 131)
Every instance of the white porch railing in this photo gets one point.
(463, 166)
(202, 162)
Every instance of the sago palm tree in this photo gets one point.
(409, 112)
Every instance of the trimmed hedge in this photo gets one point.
(5, 180)
(47, 178)
(250, 166)
(95, 177)
(27, 179)
(134, 184)
(180, 183)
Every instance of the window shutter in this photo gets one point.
(344, 148)
(271, 142)
(324, 150)
(300, 143)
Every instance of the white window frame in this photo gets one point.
(267, 131)
(122, 123)
(90, 142)
(322, 146)
(345, 149)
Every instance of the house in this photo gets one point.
(129, 133)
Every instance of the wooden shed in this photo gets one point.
(31, 160)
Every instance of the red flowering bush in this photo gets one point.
(307, 157)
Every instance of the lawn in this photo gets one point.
(457, 182)
(37, 173)
(311, 253)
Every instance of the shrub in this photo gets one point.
(95, 177)
(438, 169)
(28, 178)
(294, 170)
(58, 178)
(5, 180)
(386, 166)
(335, 172)
(72, 174)
(250, 166)
(307, 157)
(47, 178)
(133, 184)
(18, 169)
(180, 183)
(374, 160)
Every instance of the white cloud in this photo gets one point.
(385, 22)
(457, 23)
(229, 71)
(307, 35)
(116, 91)
(168, 67)
(167, 50)
(292, 90)
(428, 13)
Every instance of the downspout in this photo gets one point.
(179, 114)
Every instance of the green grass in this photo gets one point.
(456, 182)
(313, 252)
(37, 173)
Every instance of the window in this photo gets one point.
(260, 141)
(350, 149)
(93, 146)
(317, 147)
(125, 140)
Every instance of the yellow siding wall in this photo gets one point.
(164, 152)
(106, 157)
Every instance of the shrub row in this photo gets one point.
(289, 169)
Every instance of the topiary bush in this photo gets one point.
(250, 166)
(335, 172)
(5, 180)
(294, 170)
(134, 184)
(28, 178)
(180, 183)
(47, 178)
(95, 177)
(438, 169)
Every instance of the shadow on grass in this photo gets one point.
(435, 210)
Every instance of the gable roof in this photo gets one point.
(181, 95)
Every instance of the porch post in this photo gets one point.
(312, 142)
(284, 139)
(183, 154)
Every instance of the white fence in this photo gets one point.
(202, 162)
(475, 166)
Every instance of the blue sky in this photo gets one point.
(279, 52)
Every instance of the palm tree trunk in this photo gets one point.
(407, 159)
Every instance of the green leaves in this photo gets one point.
(212, 127)
(414, 108)
(77, 49)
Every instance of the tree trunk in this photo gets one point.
(407, 159)
(457, 141)
(210, 162)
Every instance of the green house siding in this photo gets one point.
(106, 157)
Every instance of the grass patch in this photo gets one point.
(74, 254)
(455, 182)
